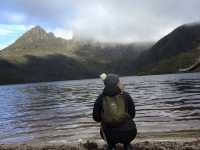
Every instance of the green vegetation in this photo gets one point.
(177, 50)
(40, 56)
(171, 64)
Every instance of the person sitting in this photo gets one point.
(115, 110)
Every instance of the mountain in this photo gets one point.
(178, 49)
(41, 56)
(36, 42)
(192, 67)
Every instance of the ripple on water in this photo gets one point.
(62, 111)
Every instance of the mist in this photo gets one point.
(102, 20)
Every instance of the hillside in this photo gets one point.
(37, 42)
(41, 56)
(178, 49)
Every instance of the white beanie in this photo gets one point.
(103, 76)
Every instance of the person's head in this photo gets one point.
(112, 81)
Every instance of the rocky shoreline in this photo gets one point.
(146, 145)
(180, 140)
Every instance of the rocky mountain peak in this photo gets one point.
(35, 34)
(35, 37)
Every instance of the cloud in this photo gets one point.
(4, 32)
(17, 18)
(63, 33)
(104, 20)
(2, 46)
(11, 17)
(121, 21)
(9, 33)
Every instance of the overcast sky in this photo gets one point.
(102, 20)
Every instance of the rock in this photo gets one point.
(90, 145)
(190, 148)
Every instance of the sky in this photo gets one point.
(121, 21)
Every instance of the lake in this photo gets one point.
(61, 111)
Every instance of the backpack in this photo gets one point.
(114, 110)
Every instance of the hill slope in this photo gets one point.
(178, 49)
(40, 56)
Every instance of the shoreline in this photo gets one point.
(179, 140)
(145, 145)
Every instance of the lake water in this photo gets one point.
(61, 111)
